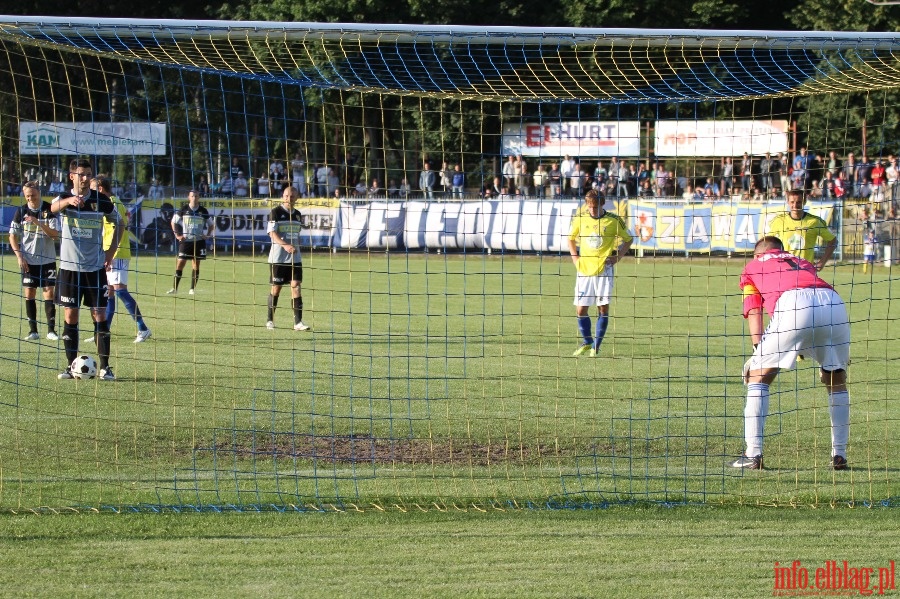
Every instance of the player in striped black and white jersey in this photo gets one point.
(31, 236)
(285, 262)
(192, 226)
(83, 261)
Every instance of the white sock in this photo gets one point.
(839, 408)
(755, 417)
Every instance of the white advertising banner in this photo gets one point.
(720, 138)
(579, 139)
(92, 139)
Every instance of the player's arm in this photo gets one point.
(177, 229)
(61, 203)
(49, 231)
(624, 245)
(209, 228)
(753, 309)
(573, 251)
(118, 229)
(277, 239)
(14, 230)
(826, 254)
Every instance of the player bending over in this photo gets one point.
(806, 315)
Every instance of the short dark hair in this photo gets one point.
(31, 185)
(79, 163)
(769, 242)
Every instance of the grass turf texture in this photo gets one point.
(619, 552)
(436, 380)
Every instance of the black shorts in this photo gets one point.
(192, 250)
(283, 274)
(75, 289)
(39, 275)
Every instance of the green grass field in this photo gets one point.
(434, 396)
(436, 381)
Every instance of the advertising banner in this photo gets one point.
(579, 139)
(92, 139)
(720, 138)
(722, 226)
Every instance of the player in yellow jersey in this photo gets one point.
(798, 230)
(117, 277)
(597, 241)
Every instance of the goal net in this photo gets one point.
(422, 357)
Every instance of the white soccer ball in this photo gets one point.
(84, 367)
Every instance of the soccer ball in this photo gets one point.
(84, 367)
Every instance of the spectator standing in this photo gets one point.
(458, 182)
(849, 169)
(322, 181)
(404, 190)
(446, 180)
(540, 179)
(765, 170)
(556, 177)
(203, 187)
(746, 172)
(262, 186)
(565, 168)
(426, 181)
(727, 176)
(622, 186)
(509, 172)
(523, 177)
(155, 192)
(240, 186)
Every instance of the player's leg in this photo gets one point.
(839, 410)
(831, 349)
(98, 301)
(68, 295)
(604, 289)
(30, 294)
(584, 298)
(277, 280)
(50, 311)
(297, 297)
(179, 269)
(195, 266)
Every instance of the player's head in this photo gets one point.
(193, 197)
(101, 184)
(289, 195)
(769, 242)
(31, 191)
(80, 171)
(592, 199)
(796, 199)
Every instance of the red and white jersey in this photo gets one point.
(769, 275)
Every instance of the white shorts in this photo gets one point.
(812, 322)
(118, 274)
(596, 290)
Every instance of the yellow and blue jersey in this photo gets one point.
(799, 236)
(597, 238)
